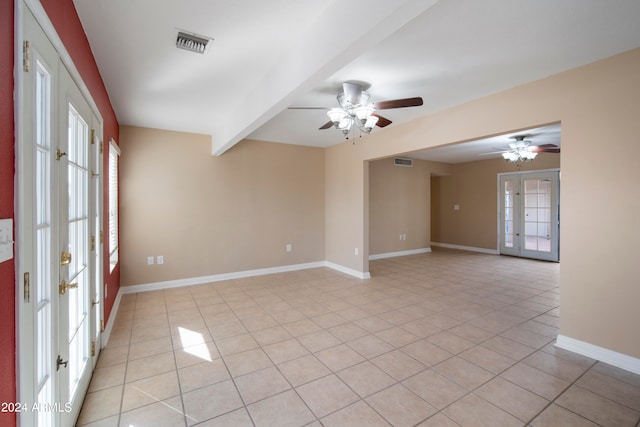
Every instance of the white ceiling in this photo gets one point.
(269, 55)
(489, 147)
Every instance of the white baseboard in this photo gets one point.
(399, 253)
(259, 272)
(112, 319)
(218, 277)
(239, 275)
(602, 354)
(466, 248)
(351, 272)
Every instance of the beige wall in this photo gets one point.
(473, 186)
(598, 107)
(211, 215)
(399, 204)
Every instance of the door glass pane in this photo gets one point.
(43, 273)
(537, 211)
(78, 246)
(509, 195)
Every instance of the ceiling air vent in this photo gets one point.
(403, 161)
(192, 42)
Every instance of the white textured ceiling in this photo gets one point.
(269, 55)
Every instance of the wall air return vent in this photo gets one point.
(403, 161)
(192, 42)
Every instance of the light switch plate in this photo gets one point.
(6, 239)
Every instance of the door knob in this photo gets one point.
(64, 286)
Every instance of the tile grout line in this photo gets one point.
(551, 402)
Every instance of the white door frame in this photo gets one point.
(96, 182)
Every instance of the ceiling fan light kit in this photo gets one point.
(521, 151)
(355, 108)
(357, 111)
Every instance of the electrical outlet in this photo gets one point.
(6, 239)
(149, 260)
(289, 247)
(355, 252)
(160, 259)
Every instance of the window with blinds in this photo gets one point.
(114, 154)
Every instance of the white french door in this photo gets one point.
(59, 215)
(73, 362)
(529, 214)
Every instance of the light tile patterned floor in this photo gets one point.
(447, 338)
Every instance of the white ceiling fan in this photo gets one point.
(522, 150)
(357, 110)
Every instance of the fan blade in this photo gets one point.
(382, 121)
(326, 125)
(493, 152)
(398, 103)
(307, 108)
(545, 148)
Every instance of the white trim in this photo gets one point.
(112, 319)
(155, 286)
(216, 278)
(113, 145)
(602, 354)
(467, 248)
(351, 272)
(527, 171)
(23, 370)
(399, 253)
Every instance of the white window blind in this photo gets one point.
(114, 154)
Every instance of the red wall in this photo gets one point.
(7, 268)
(63, 15)
(65, 19)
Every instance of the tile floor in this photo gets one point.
(447, 338)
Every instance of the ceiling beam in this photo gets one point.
(344, 31)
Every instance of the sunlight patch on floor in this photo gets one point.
(193, 343)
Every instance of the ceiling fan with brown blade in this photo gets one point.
(521, 150)
(356, 108)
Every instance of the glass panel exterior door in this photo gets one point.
(38, 231)
(77, 240)
(529, 209)
(537, 214)
(75, 235)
